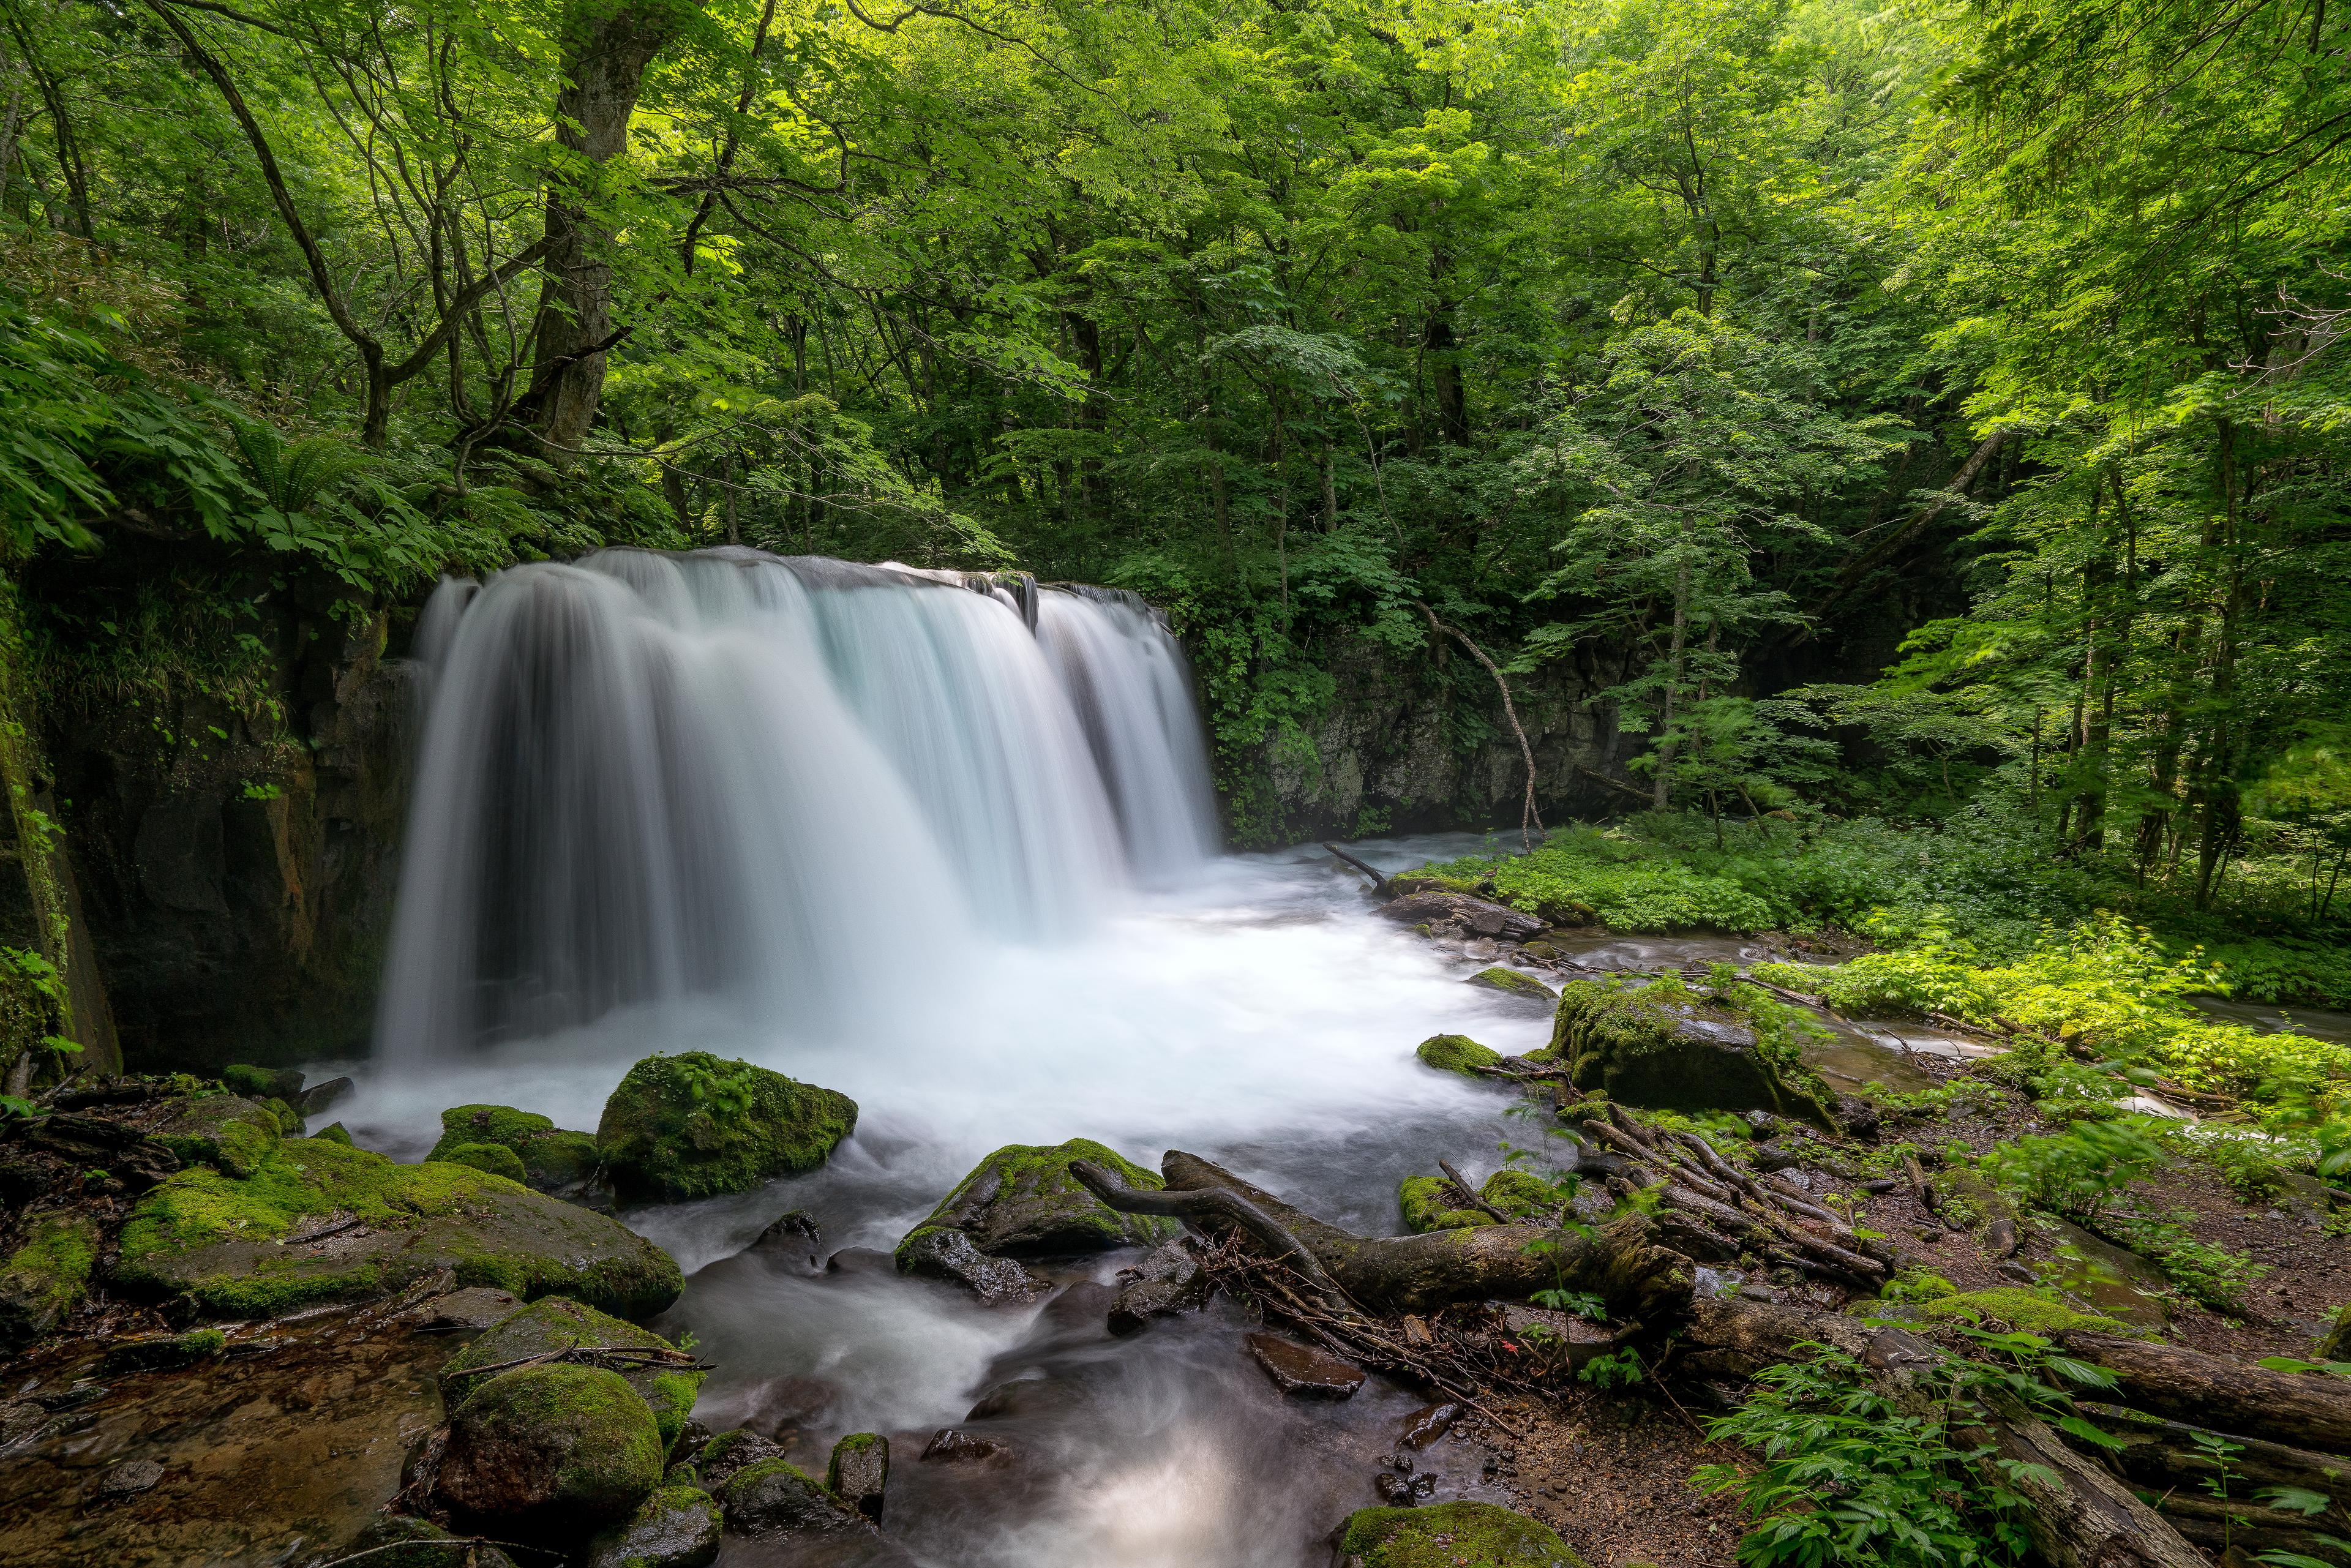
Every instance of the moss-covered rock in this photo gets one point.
(1664, 1045)
(776, 1497)
(220, 1242)
(161, 1352)
(691, 1126)
(1512, 983)
(555, 1449)
(2020, 1309)
(334, 1132)
(558, 1323)
(289, 1119)
(859, 1472)
(1022, 1202)
(1517, 1192)
(1456, 1053)
(1427, 1203)
(47, 1276)
(495, 1158)
(551, 1158)
(1451, 1535)
(262, 1084)
(676, 1527)
(232, 1134)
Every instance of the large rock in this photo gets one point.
(263, 1084)
(676, 1527)
(45, 1277)
(558, 1323)
(230, 1133)
(320, 1221)
(1456, 1053)
(1475, 917)
(555, 1449)
(550, 1158)
(1169, 1281)
(691, 1126)
(949, 1256)
(859, 1472)
(1531, 995)
(1663, 1045)
(774, 1498)
(1022, 1202)
(1458, 1534)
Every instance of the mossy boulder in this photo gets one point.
(1456, 1053)
(263, 1084)
(2020, 1309)
(676, 1527)
(550, 1158)
(1517, 1192)
(859, 1472)
(691, 1126)
(161, 1352)
(775, 1497)
(334, 1132)
(558, 1323)
(1524, 988)
(1022, 1202)
(495, 1158)
(289, 1119)
(1451, 1535)
(556, 1450)
(222, 1243)
(1665, 1046)
(1427, 1203)
(224, 1130)
(47, 1275)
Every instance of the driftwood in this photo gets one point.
(1379, 881)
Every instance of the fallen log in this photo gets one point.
(2309, 1410)
(2163, 1455)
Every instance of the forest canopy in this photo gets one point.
(1952, 387)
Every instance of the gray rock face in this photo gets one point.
(676, 1527)
(859, 1471)
(949, 1255)
(1168, 1281)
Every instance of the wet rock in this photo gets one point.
(1308, 1374)
(1395, 1490)
(1965, 1201)
(469, 1311)
(1517, 1193)
(2106, 1279)
(953, 1446)
(795, 1235)
(859, 1471)
(548, 1158)
(99, 1142)
(557, 1325)
(1668, 1046)
(319, 1096)
(784, 1405)
(1858, 1116)
(949, 1255)
(19, 1421)
(227, 1245)
(719, 1459)
(45, 1277)
(1032, 1396)
(1426, 1425)
(128, 1478)
(1461, 1534)
(565, 1451)
(691, 1126)
(1532, 993)
(676, 1527)
(1456, 1053)
(773, 1497)
(263, 1084)
(1478, 915)
(161, 1353)
(495, 1158)
(860, 1260)
(1022, 1202)
(232, 1134)
(1169, 1281)
(397, 1540)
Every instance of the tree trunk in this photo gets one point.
(606, 51)
(1663, 783)
(2310, 1410)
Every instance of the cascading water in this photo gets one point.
(648, 777)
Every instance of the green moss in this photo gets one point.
(1023, 1201)
(1456, 1053)
(1453, 1535)
(1496, 978)
(611, 1449)
(220, 1130)
(45, 1277)
(161, 1353)
(1919, 1285)
(334, 1132)
(289, 1119)
(1427, 1206)
(679, 1523)
(1517, 1192)
(691, 1126)
(1665, 1045)
(558, 1324)
(740, 1483)
(561, 1160)
(501, 1124)
(495, 1158)
(2022, 1309)
(262, 1084)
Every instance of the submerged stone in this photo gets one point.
(1456, 1534)
(1456, 1053)
(397, 1540)
(560, 1449)
(1665, 1046)
(1022, 1202)
(691, 1126)
(1309, 1374)
(320, 1222)
(558, 1324)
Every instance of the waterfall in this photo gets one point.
(646, 777)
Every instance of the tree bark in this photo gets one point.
(606, 49)
(2310, 1410)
